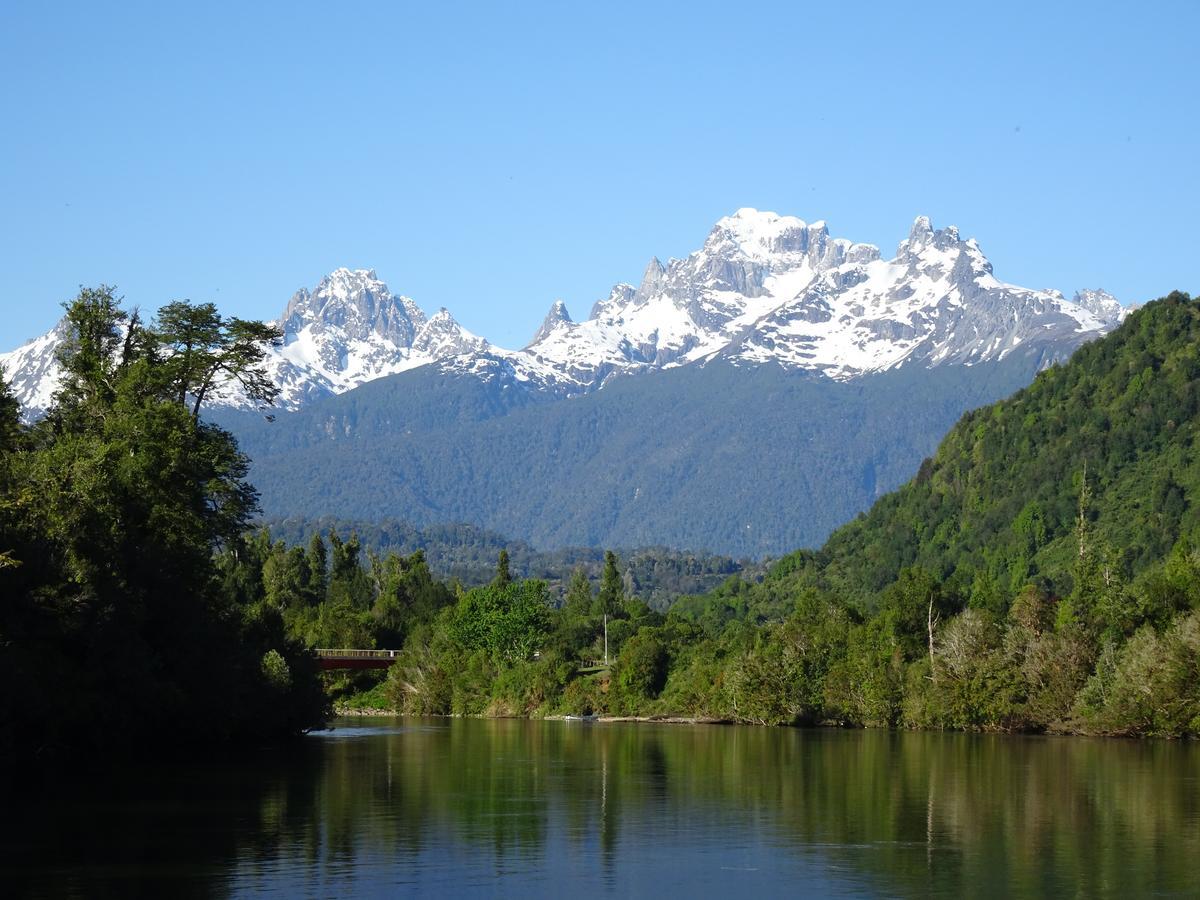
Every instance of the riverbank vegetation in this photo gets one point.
(1040, 573)
(116, 629)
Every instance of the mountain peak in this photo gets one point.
(654, 269)
(442, 336)
(1100, 303)
(358, 305)
(923, 235)
(555, 318)
(757, 233)
(652, 280)
(763, 288)
(343, 283)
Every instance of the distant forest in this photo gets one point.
(1041, 572)
(740, 461)
(467, 555)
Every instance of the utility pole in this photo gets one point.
(606, 639)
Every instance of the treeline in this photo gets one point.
(1042, 572)
(923, 659)
(743, 461)
(117, 631)
(467, 554)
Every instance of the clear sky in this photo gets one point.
(491, 158)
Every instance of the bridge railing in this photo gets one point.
(345, 653)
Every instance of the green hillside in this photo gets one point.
(1042, 570)
(998, 506)
(1040, 573)
(741, 461)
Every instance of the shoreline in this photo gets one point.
(348, 712)
(370, 712)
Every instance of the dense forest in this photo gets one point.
(1041, 572)
(745, 461)
(118, 631)
(467, 554)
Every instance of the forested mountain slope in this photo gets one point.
(740, 460)
(1041, 573)
(1042, 570)
(1111, 434)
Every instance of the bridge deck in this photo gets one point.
(354, 659)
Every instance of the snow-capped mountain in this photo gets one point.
(32, 370)
(351, 329)
(769, 288)
(763, 288)
(348, 330)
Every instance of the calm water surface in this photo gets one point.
(512, 808)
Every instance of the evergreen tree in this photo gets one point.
(10, 416)
(503, 572)
(92, 354)
(202, 349)
(579, 593)
(10, 433)
(318, 568)
(116, 624)
(611, 598)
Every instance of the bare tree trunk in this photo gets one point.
(932, 623)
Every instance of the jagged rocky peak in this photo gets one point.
(442, 336)
(621, 295)
(923, 236)
(358, 303)
(653, 280)
(781, 242)
(1100, 303)
(555, 319)
(757, 234)
(763, 288)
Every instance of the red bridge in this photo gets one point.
(355, 659)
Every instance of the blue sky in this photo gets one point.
(490, 159)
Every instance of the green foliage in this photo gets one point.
(1152, 686)
(503, 573)
(641, 672)
(612, 590)
(778, 459)
(468, 554)
(116, 624)
(276, 671)
(1115, 428)
(201, 349)
(509, 622)
(579, 594)
(1039, 573)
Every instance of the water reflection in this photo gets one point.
(507, 807)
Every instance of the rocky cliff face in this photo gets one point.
(763, 288)
(769, 288)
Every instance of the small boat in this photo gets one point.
(590, 717)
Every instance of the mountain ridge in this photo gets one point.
(762, 288)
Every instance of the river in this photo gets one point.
(381, 807)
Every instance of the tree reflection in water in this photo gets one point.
(518, 806)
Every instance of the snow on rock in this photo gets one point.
(770, 288)
(32, 371)
(763, 288)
